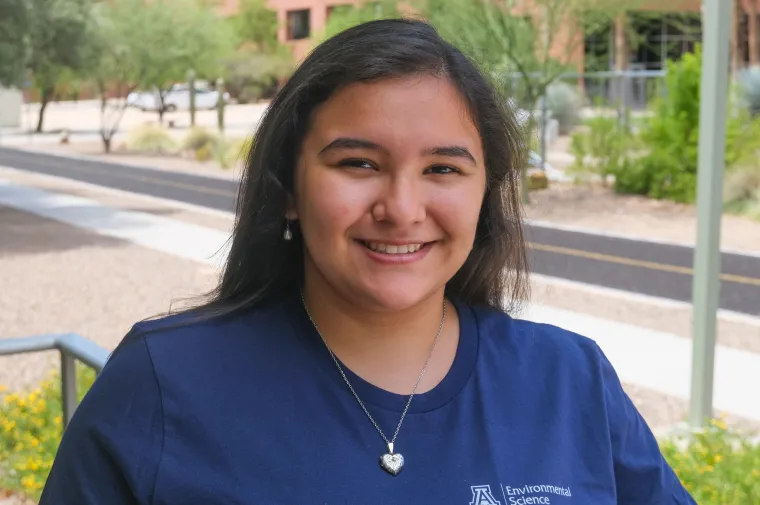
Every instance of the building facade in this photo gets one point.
(644, 40)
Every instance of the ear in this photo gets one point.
(291, 213)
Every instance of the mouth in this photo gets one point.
(394, 249)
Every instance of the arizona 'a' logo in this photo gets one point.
(481, 495)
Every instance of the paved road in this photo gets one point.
(641, 267)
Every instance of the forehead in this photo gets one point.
(420, 111)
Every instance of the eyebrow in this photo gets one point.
(355, 143)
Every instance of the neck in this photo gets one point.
(387, 349)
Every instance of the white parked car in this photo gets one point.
(177, 98)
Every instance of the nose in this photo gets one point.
(401, 202)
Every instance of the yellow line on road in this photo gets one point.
(651, 265)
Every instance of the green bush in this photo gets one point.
(668, 165)
(151, 139)
(717, 466)
(30, 431)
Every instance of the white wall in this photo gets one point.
(10, 107)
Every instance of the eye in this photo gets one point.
(442, 170)
(357, 163)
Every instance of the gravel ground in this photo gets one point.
(56, 278)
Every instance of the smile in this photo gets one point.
(393, 248)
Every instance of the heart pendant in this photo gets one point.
(392, 463)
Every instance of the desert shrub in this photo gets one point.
(231, 152)
(749, 89)
(251, 76)
(205, 152)
(565, 103)
(198, 138)
(741, 192)
(602, 148)
(151, 139)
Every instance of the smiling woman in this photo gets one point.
(359, 348)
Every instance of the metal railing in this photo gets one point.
(72, 348)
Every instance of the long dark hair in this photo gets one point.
(261, 265)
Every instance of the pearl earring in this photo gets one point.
(287, 234)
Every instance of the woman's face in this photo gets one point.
(389, 186)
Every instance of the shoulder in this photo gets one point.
(200, 332)
(529, 339)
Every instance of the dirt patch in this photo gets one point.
(592, 206)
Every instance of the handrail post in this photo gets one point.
(68, 387)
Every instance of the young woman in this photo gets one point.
(358, 349)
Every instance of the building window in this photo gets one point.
(299, 26)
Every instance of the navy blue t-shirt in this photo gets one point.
(252, 410)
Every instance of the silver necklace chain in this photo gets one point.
(348, 383)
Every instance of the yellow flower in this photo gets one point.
(58, 419)
(35, 442)
(719, 423)
(29, 483)
(718, 458)
(9, 425)
(756, 473)
(709, 468)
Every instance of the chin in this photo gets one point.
(397, 297)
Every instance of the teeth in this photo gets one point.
(394, 249)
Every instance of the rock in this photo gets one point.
(537, 179)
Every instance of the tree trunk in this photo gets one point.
(106, 144)
(735, 24)
(754, 44)
(47, 95)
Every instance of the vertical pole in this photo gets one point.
(191, 90)
(220, 104)
(712, 143)
(544, 126)
(68, 387)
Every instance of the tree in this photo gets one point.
(260, 63)
(59, 45)
(176, 36)
(343, 17)
(256, 24)
(527, 49)
(524, 48)
(14, 26)
(118, 28)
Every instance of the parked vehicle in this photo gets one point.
(178, 97)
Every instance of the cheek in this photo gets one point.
(458, 211)
(328, 205)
